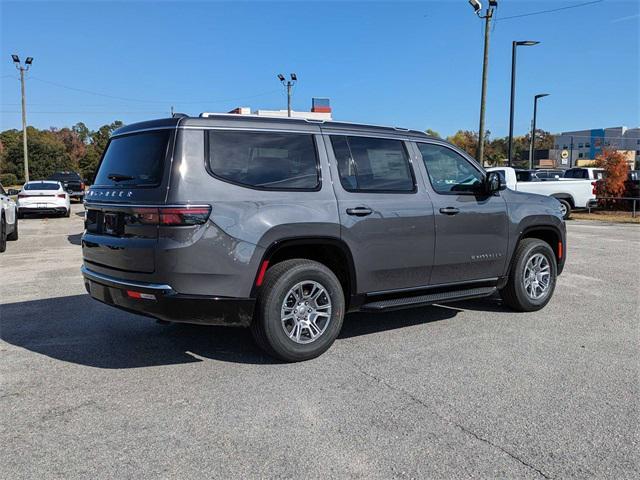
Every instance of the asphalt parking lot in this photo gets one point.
(459, 391)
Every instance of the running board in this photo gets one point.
(429, 299)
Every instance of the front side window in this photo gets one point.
(264, 160)
(449, 172)
(369, 164)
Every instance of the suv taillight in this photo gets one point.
(173, 216)
(82, 186)
(594, 188)
(61, 195)
(23, 195)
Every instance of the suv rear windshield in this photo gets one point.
(64, 176)
(134, 160)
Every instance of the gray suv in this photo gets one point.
(284, 225)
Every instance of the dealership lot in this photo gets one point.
(465, 390)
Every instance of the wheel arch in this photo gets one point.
(565, 196)
(330, 251)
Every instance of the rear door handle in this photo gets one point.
(359, 211)
(449, 210)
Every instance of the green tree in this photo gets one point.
(432, 133)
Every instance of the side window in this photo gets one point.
(370, 164)
(266, 160)
(449, 172)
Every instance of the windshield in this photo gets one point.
(42, 186)
(134, 160)
(64, 176)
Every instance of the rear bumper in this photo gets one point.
(51, 209)
(166, 303)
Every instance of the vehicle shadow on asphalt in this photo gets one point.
(80, 330)
(75, 239)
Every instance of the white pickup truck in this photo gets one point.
(570, 193)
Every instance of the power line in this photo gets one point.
(126, 99)
(549, 11)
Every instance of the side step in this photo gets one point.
(428, 299)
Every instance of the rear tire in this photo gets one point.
(67, 213)
(565, 208)
(528, 289)
(281, 325)
(14, 235)
(3, 235)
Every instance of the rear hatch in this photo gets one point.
(122, 219)
(42, 192)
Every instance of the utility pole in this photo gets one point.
(532, 144)
(514, 46)
(23, 68)
(477, 6)
(288, 84)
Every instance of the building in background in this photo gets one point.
(581, 147)
(320, 110)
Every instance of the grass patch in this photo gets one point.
(607, 216)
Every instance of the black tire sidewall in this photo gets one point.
(518, 272)
(271, 305)
(3, 234)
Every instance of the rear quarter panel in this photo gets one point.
(223, 257)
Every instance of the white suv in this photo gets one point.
(8, 219)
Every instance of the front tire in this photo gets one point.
(3, 234)
(532, 278)
(300, 310)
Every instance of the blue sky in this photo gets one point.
(410, 64)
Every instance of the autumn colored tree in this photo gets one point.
(616, 170)
(465, 140)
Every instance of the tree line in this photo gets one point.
(496, 150)
(79, 149)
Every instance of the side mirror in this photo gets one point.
(492, 182)
(13, 191)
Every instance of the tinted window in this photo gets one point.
(41, 186)
(372, 164)
(267, 160)
(524, 176)
(576, 173)
(134, 160)
(61, 176)
(449, 172)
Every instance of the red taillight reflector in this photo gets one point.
(560, 252)
(140, 295)
(263, 270)
(173, 216)
(184, 215)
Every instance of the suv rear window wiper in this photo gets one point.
(118, 177)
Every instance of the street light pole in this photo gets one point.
(514, 45)
(288, 84)
(532, 144)
(477, 7)
(23, 68)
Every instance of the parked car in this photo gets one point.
(72, 182)
(8, 218)
(585, 173)
(570, 193)
(283, 225)
(43, 196)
